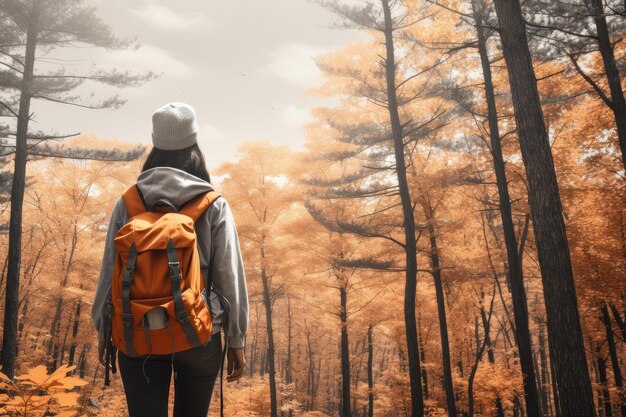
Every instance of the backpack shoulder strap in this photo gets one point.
(199, 205)
(132, 200)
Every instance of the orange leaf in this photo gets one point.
(39, 400)
(70, 382)
(15, 401)
(61, 372)
(67, 399)
(38, 375)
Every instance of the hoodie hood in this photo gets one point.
(174, 184)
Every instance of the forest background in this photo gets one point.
(416, 256)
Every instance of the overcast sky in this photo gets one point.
(242, 64)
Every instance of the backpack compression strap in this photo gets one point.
(181, 312)
(133, 201)
(127, 315)
(199, 205)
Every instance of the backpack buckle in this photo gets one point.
(127, 319)
(175, 270)
(129, 271)
(183, 317)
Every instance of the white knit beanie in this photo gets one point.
(174, 127)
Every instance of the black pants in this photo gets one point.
(147, 385)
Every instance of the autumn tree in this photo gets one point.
(390, 88)
(487, 123)
(49, 24)
(567, 353)
(258, 183)
(344, 260)
(594, 203)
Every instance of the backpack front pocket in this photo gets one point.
(172, 337)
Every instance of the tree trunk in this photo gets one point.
(53, 359)
(70, 359)
(599, 390)
(267, 302)
(608, 409)
(254, 351)
(567, 353)
(490, 355)
(480, 346)
(545, 383)
(617, 102)
(22, 321)
(600, 396)
(383, 358)
(11, 306)
(370, 372)
(288, 365)
(54, 324)
(82, 361)
(472, 374)
(56, 321)
(617, 372)
(345, 354)
(515, 274)
(410, 247)
(95, 375)
(359, 349)
(311, 370)
(263, 362)
(64, 344)
(422, 359)
(316, 385)
(441, 310)
(618, 318)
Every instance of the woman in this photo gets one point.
(175, 170)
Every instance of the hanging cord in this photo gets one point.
(107, 354)
(143, 368)
(109, 349)
(222, 373)
(148, 339)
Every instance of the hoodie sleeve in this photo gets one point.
(228, 272)
(101, 308)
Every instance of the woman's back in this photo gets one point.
(175, 173)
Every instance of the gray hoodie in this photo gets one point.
(217, 237)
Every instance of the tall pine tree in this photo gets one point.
(49, 24)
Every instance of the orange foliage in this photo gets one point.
(38, 392)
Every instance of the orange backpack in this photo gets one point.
(158, 267)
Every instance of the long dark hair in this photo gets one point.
(189, 160)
